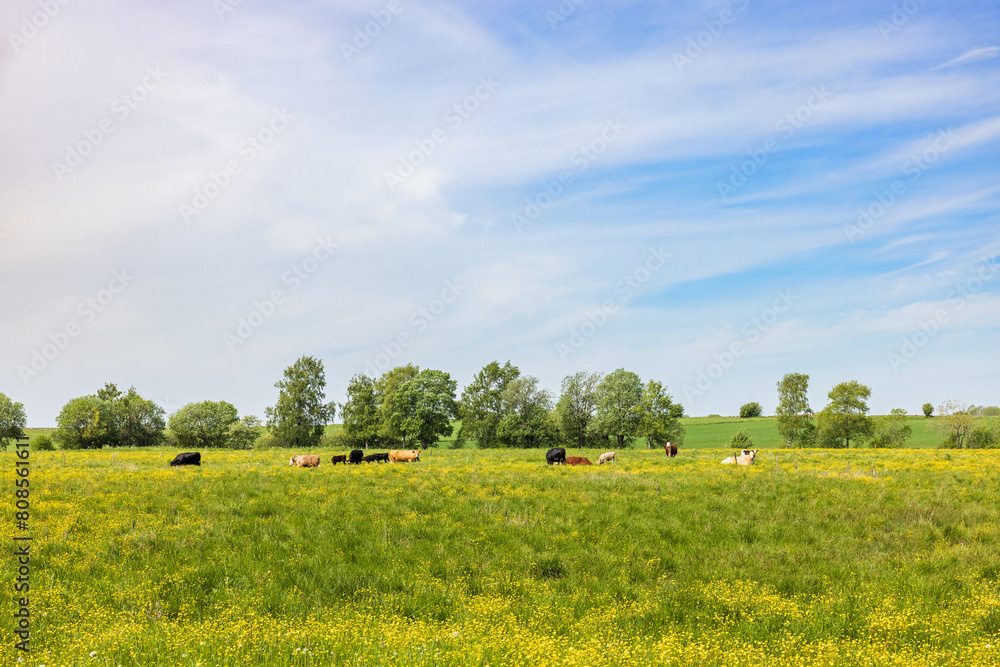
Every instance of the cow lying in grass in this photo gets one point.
(746, 458)
(577, 461)
(304, 461)
(606, 457)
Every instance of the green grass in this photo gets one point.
(492, 557)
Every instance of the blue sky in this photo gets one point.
(709, 194)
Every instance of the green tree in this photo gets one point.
(12, 420)
(928, 409)
(482, 404)
(890, 431)
(422, 408)
(955, 421)
(526, 409)
(300, 414)
(576, 407)
(203, 425)
(83, 424)
(618, 397)
(750, 410)
(385, 388)
(139, 422)
(741, 440)
(243, 434)
(793, 407)
(659, 416)
(845, 416)
(361, 414)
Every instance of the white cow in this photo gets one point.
(745, 459)
(606, 457)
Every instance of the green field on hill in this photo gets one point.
(491, 557)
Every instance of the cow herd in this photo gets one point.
(556, 455)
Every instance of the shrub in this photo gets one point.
(751, 410)
(928, 409)
(950, 442)
(741, 440)
(982, 437)
(43, 443)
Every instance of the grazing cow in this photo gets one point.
(606, 457)
(376, 458)
(339, 458)
(745, 459)
(670, 448)
(304, 461)
(187, 459)
(555, 455)
(356, 456)
(577, 461)
(404, 455)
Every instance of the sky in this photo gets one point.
(193, 195)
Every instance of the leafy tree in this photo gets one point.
(928, 409)
(203, 425)
(793, 407)
(890, 431)
(300, 414)
(12, 420)
(985, 436)
(361, 415)
(846, 415)
(422, 408)
(482, 404)
(526, 410)
(138, 421)
(618, 397)
(750, 410)
(741, 440)
(243, 434)
(955, 421)
(576, 407)
(659, 416)
(385, 389)
(42, 443)
(83, 423)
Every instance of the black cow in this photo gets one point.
(376, 458)
(339, 458)
(187, 459)
(356, 456)
(555, 455)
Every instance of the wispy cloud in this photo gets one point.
(975, 54)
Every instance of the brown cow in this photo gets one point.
(304, 461)
(403, 455)
(339, 458)
(577, 461)
(670, 448)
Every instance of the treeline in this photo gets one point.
(845, 420)
(502, 407)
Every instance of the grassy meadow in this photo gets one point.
(490, 557)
